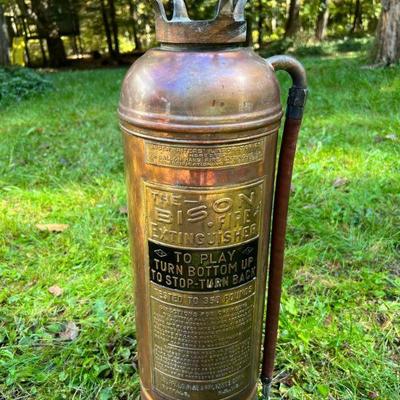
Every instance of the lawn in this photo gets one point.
(61, 162)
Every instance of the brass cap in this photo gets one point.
(228, 26)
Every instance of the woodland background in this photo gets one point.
(57, 33)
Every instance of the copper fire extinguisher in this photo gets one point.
(200, 116)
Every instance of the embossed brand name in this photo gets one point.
(194, 218)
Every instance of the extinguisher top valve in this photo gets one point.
(228, 25)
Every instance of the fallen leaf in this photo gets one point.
(287, 379)
(339, 182)
(392, 136)
(70, 332)
(328, 320)
(373, 395)
(55, 290)
(53, 228)
(334, 266)
(123, 210)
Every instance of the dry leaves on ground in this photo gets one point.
(71, 332)
(53, 228)
(55, 290)
(123, 210)
(328, 320)
(339, 182)
(391, 137)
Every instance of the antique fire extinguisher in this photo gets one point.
(200, 117)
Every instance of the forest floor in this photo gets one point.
(67, 326)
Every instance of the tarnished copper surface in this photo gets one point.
(208, 91)
(209, 213)
(200, 131)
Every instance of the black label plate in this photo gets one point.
(202, 270)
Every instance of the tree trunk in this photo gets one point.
(132, 10)
(293, 21)
(4, 41)
(106, 28)
(22, 6)
(43, 51)
(57, 56)
(357, 20)
(49, 30)
(260, 24)
(114, 26)
(322, 20)
(249, 31)
(388, 33)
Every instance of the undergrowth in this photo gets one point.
(17, 84)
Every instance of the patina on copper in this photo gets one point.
(200, 116)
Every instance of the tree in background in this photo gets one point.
(358, 17)
(134, 27)
(261, 17)
(107, 29)
(4, 41)
(114, 26)
(388, 34)
(43, 12)
(117, 27)
(322, 20)
(293, 21)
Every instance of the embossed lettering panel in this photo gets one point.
(202, 342)
(211, 156)
(202, 268)
(203, 218)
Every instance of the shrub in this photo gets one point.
(310, 51)
(18, 83)
(353, 44)
(277, 47)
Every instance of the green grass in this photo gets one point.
(61, 162)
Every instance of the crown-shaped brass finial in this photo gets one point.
(228, 25)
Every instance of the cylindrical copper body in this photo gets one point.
(200, 132)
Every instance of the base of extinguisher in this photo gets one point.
(145, 395)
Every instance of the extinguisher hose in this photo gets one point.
(294, 114)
